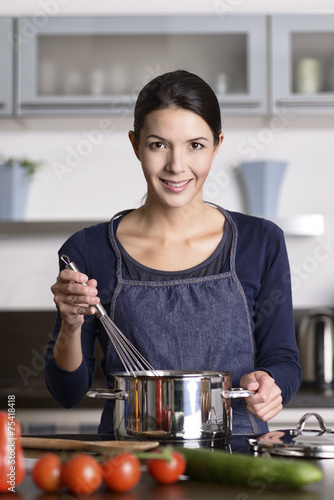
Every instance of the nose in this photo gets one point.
(175, 162)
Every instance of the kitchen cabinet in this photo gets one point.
(97, 65)
(6, 63)
(302, 58)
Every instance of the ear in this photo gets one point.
(217, 146)
(135, 143)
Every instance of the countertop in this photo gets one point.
(36, 395)
(185, 489)
(310, 397)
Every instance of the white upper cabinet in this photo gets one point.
(302, 61)
(98, 65)
(6, 65)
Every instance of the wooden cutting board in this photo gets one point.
(46, 443)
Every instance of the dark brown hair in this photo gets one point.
(180, 89)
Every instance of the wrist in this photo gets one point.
(69, 330)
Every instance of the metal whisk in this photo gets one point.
(132, 360)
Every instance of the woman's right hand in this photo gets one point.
(73, 298)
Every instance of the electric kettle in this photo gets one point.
(315, 338)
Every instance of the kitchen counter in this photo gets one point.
(185, 489)
(36, 395)
(308, 397)
(191, 490)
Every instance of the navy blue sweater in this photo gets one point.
(263, 270)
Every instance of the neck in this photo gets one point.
(174, 222)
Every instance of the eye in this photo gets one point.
(196, 145)
(157, 145)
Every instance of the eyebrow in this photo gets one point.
(190, 140)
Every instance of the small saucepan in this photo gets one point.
(173, 405)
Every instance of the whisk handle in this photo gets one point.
(100, 310)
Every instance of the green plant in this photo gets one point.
(31, 166)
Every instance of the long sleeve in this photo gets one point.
(90, 249)
(68, 388)
(263, 269)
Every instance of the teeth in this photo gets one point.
(176, 184)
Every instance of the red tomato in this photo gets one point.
(46, 472)
(167, 471)
(82, 474)
(12, 466)
(121, 473)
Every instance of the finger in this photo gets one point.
(265, 398)
(266, 391)
(74, 304)
(69, 275)
(75, 296)
(92, 283)
(71, 313)
(248, 381)
(77, 289)
(259, 407)
(268, 412)
(85, 311)
(79, 300)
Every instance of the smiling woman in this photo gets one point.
(184, 280)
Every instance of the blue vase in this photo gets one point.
(14, 185)
(263, 181)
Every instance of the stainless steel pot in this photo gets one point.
(173, 405)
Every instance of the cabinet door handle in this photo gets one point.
(305, 101)
(239, 103)
(75, 105)
(121, 103)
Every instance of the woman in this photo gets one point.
(193, 286)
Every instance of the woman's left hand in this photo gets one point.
(267, 400)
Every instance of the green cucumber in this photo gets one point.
(220, 466)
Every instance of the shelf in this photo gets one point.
(317, 100)
(41, 228)
(297, 225)
(301, 225)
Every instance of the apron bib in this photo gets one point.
(189, 324)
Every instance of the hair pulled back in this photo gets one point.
(180, 89)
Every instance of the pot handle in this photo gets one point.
(237, 392)
(108, 394)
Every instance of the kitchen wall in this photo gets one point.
(90, 171)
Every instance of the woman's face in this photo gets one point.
(176, 149)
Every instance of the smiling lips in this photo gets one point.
(176, 187)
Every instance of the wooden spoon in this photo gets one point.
(75, 444)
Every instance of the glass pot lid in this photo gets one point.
(298, 442)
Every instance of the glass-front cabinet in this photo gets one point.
(302, 61)
(6, 66)
(98, 65)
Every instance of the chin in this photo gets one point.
(182, 203)
(177, 200)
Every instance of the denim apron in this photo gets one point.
(188, 324)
